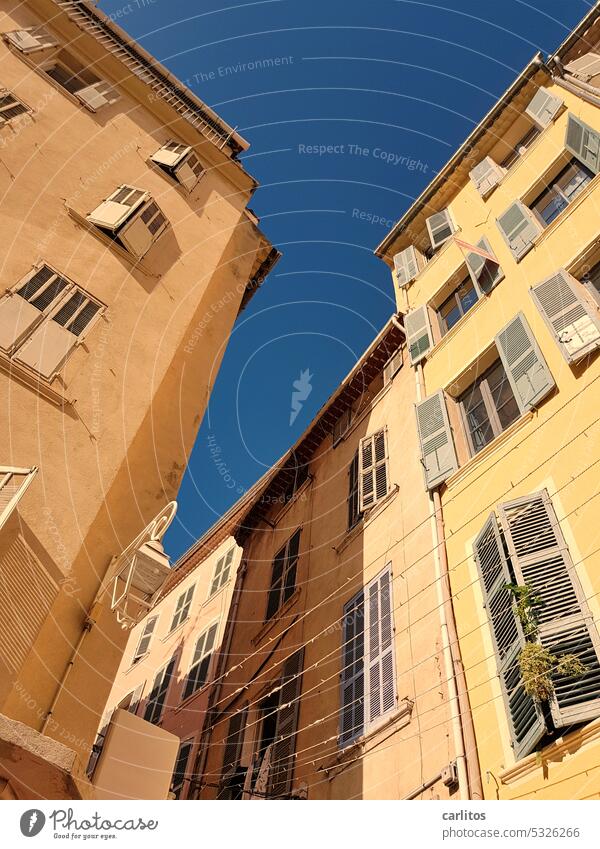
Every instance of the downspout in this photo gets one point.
(580, 89)
(463, 732)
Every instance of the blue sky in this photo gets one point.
(386, 90)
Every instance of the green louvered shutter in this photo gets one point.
(406, 265)
(486, 176)
(543, 107)
(583, 142)
(519, 229)
(524, 364)
(284, 746)
(435, 435)
(525, 718)
(419, 338)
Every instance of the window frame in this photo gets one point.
(467, 282)
(225, 562)
(354, 514)
(138, 655)
(177, 789)
(482, 383)
(192, 679)
(552, 188)
(16, 102)
(281, 586)
(155, 707)
(182, 613)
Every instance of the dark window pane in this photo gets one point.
(467, 296)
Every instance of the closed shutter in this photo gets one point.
(381, 674)
(419, 338)
(572, 321)
(524, 364)
(97, 95)
(13, 485)
(352, 717)
(392, 366)
(543, 107)
(406, 266)
(585, 67)
(437, 445)
(354, 513)
(484, 273)
(282, 763)
(525, 718)
(180, 770)
(518, 228)
(583, 142)
(20, 310)
(234, 741)
(541, 561)
(486, 176)
(341, 426)
(373, 469)
(440, 228)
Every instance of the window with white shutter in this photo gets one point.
(373, 469)
(485, 274)
(182, 608)
(543, 107)
(438, 455)
(203, 651)
(584, 143)
(180, 162)
(158, 694)
(31, 40)
(145, 639)
(440, 228)
(572, 320)
(519, 229)
(284, 745)
(132, 218)
(392, 366)
(92, 92)
(352, 715)
(524, 364)
(407, 265)
(283, 575)
(419, 338)
(10, 107)
(180, 772)
(222, 571)
(14, 483)
(584, 67)
(486, 176)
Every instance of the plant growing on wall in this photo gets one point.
(537, 665)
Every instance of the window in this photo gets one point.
(283, 576)
(457, 305)
(180, 162)
(182, 608)
(145, 639)
(158, 693)
(342, 426)
(13, 485)
(564, 189)
(179, 773)
(10, 107)
(233, 775)
(520, 149)
(523, 545)
(222, 570)
(368, 689)
(43, 319)
(373, 470)
(440, 227)
(198, 674)
(31, 40)
(130, 217)
(488, 407)
(69, 74)
(354, 514)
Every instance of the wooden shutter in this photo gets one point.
(584, 67)
(380, 672)
(97, 95)
(352, 716)
(524, 364)
(373, 469)
(484, 273)
(189, 172)
(32, 39)
(282, 763)
(47, 348)
(541, 560)
(158, 694)
(543, 107)
(486, 176)
(519, 229)
(392, 366)
(406, 265)
(572, 321)
(419, 338)
(525, 717)
(435, 435)
(136, 697)
(13, 485)
(583, 142)
(440, 228)
(145, 639)
(234, 741)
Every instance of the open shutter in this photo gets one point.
(419, 338)
(47, 348)
(406, 265)
(352, 716)
(585, 67)
(170, 154)
(392, 366)
(189, 172)
(543, 107)
(136, 697)
(524, 364)
(583, 142)
(381, 672)
(518, 228)
(486, 176)
(17, 317)
(31, 40)
(440, 228)
(234, 741)
(541, 560)
(437, 445)
(97, 95)
(13, 485)
(282, 763)
(525, 718)
(484, 273)
(117, 208)
(572, 321)
(373, 469)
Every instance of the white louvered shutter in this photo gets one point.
(352, 716)
(419, 338)
(392, 366)
(583, 142)
(584, 67)
(13, 486)
(435, 436)
(406, 265)
(519, 229)
(541, 560)
(234, 741)
(486, 176)
(373, 470)
(524, 363)
(543, 107)
(440, 228)
(31, 40)
(170, 154)
(284, 745)
(525, 717)
(17, 317)
(484, 273)
(380, 671)
(572, 321)
(47, 348)
(95, 96)
(117, 208)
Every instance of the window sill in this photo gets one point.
(369, 516)
(217, 593)
(95, 231)
(174, 631)
(33, 380)
(497, 443)
(403, 711)
(277, 617)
